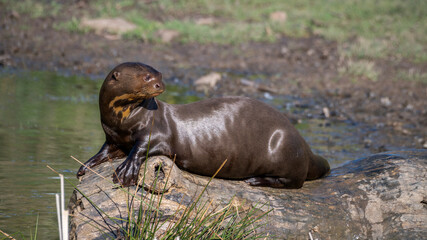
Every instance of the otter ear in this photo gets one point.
(116, 75)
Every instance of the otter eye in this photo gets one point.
(147, 78)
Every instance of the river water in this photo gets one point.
(45, 118)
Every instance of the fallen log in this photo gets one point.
(382, 196)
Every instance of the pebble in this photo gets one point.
(385, 101)
(268, 96)
(410, 107)
(210, 79)
(284, 50)
(326, 112)
(111, 25)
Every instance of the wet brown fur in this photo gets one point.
(261, 145)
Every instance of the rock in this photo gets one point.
(15, 15)
(409, 107)
(326, 112)
(110, 25)
(310, 52)
(207, 81)
(167, 35)
(5, 60)
(257, 86)
(385, 101)
(278, 16)
(382, 196)
(284, 51)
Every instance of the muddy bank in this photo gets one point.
(306, 69)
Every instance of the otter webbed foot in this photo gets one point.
(126, 173)
(92, 162)
(274, 182)
(107, 152)
(82, 170)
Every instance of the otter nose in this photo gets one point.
(159, 86)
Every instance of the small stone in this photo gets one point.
(284, 50)
(279, 16)
(326, 112)
(15, 14)
(268, 96)
(210, 79)
(310, 52)
(385, 101)
(4, 57)
(5, 60)
(371, 94)
(110, 25)
(259, 87)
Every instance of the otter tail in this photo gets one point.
(318, 167)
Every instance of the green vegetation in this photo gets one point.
(33, 8)
(384, 28)
(412, 75)
(360, 69)
(72, 25)
(32, 236)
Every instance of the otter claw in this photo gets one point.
(82, 171)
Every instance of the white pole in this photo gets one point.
(62, 192)
(65, 224)
(63, 211)
(58, 211)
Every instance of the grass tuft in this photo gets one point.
(360, 69)
(412, 75)
(72, 25)
(33, 8)
(198, 220)
(10, 236)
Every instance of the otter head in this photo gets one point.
(127, 86)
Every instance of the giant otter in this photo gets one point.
(261, 145)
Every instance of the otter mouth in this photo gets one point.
(157, 93)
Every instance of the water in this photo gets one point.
(45, 118)
(337, 141)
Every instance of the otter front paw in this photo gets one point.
(92, 162)
(82, 170)
(126, 173)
